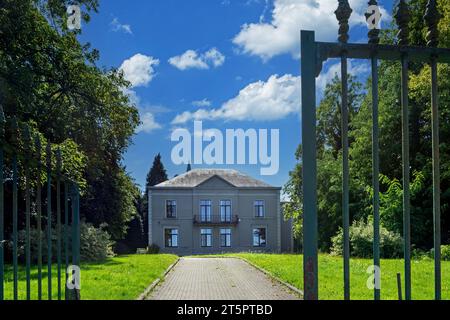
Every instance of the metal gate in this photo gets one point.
(313, 55)
(62, 239)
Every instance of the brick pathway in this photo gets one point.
(219, 279)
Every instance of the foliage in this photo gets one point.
(361, 241)
(445, 252)
(153, 249)
(96, 244)
(390, 140)
(156, 175)
(51, 82)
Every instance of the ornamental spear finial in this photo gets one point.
(432, 18)
(402, 17)
(343, 13)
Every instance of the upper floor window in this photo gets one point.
(205, 210)
(225, 237)
(225, 210)
(259, 237)
(171, 209)
(171, 237)
(259, 208)
(206, 237)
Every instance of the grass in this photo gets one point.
(118, 278)
(288, 267)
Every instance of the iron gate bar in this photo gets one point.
(58, 217)
(373, 36)
(14, 207)
(66, 235)
(309, 168)
(76, 232)
(406, 178)
(343, 13)
(49, 220)
(2, 209)
(329, 50)
(37, 144)
(402, 17)
(27, 146)
(432, 18)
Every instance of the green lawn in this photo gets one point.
(289, 268)
(119, 278)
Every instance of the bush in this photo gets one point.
(153, 249)
(445, 253)
(95, 244)
(361, 242)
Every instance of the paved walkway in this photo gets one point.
(219, 279)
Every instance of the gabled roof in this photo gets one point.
(196, 177)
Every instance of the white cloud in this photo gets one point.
(281, 34)
(139, 69)
(354, 68)
(201, 103)
(259, 101)
(193, 60)
(274, 99)
(148, 124)
(117, 26)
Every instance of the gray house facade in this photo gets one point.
(207, 211)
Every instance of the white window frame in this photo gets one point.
(206, 237)
(176, 209)
(253, 237)
(231, 210)
(263, 208)
(178, 237)
(225, 234)
(210, 210)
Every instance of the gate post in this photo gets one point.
(309, 164)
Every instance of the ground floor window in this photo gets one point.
(225, 237)
(259, 237)
(206, 237)
(171, 237)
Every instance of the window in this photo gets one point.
(259, 237)
(205, 210)
(225, 210)
(171, 209)
(171, 238)
(225, 237)
(259, 208)
(206, 237)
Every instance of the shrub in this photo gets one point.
(361, 241)
(445, 253)
(153, 249)
(95, 243)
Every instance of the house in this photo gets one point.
(205, 211)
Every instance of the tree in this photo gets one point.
(50, 81)
(156, 175)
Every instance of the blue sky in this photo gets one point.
(230, 63)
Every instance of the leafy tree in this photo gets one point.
(156, 175)
(49, 80)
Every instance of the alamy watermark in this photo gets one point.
(74, 18)
(74, 277)
(374, 280)
(373, 17)
(239, 146)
